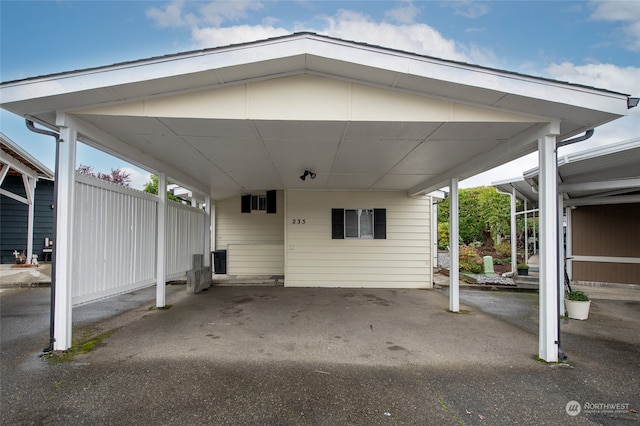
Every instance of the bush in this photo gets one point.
(443, 235)
(503, 249)
(470, 261)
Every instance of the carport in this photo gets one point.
(227, 121)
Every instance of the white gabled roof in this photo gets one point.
(253, 116)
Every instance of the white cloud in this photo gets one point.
(626, 12)
(179, 13)
(138, 177)
(404, 14)
(418, 38)
(209, 37)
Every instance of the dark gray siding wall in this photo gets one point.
(14, 215)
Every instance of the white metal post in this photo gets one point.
(568, 254)
(207, 230)
(548, 316)
(160, 241)
(514, 232)
(561, 254)
(454, 261)
(526, 233)
(63, 249)
(30, 187)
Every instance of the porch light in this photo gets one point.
(308, 173)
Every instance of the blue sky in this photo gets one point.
(590, 42)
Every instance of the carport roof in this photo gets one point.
(608, 174)
(253, 116)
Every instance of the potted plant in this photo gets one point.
(523, 269)
(577, 304)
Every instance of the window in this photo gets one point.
(249, 203)
(359, 223)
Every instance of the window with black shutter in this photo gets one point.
(359, 223)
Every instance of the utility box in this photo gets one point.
(488, 266)
(219, 261)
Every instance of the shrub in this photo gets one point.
(443, 235)
(470, 261)
(503, 249)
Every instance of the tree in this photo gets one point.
(483, 214)
(151, 187)
(116, 176)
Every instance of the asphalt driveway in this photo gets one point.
(285, 356)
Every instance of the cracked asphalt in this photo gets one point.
(287, 356)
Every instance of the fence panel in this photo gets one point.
(114, 239)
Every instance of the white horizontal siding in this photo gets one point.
(255, 259)
(254, 241)
(313, 258)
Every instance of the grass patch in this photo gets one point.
(537, 358)
(161, 308)
(79, 347)
(460, 312)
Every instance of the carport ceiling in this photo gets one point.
(251, 117)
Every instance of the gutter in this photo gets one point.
(34, 129)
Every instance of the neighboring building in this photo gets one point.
(601, 191)
(25, 185)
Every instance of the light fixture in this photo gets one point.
(308, 173)
(632, 102)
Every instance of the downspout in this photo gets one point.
(562, 356)
(33, 128)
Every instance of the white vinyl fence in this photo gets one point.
(114, 241)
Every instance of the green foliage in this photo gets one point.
(443, 235)
(577, 296)
(523, 266)
(480, 209)
(152, 188)
(503, 249)
(470, 261)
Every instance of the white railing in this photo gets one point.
(114, 241)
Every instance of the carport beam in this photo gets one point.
(454, 268)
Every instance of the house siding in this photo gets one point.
(606, 233)
(254, 241)
(314, 259)
(14, 218)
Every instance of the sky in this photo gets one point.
(596, 43)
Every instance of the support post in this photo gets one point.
(568, 242)
(526, 234)
(30, 187)
(207, 231)
(63, 251)
(160, 240)
(454, 261)
(561, 254)
(514, 233)
(548, 314)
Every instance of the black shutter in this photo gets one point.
(380, 224)
(337, 224)
(271, 201)
(245, 204)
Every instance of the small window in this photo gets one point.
(358, 223)
(258, 202)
